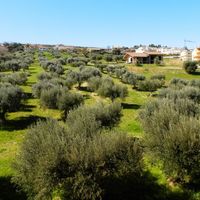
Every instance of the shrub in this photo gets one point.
(190, 93)
(24, 65)
(44, 76)
(88, 72)
(16, 78)
(13, 65)
(171, 126)
(101, 67)
(94, 83)
(131, 78)
(14, 46)
(2, 67)
(53, 66)
(190, 66)
(158, 77)
(68, 101)
(10, 99)
(115, 70)
(183, 150)
(78, 64)
(177, 82)
(74, 76)
(45, 64)
(40, 86)
(140, 77)
(149, 85)
(84, 74)
(76, 166)
(108, 115)
(111, 90)
(108, 58)
(49, 98)
(110, 69)
(83, 121)
(56, 68)
(62, 61)
(69, 82)
(105, 115)
(195, 83)
(119, 72)
(117, 58)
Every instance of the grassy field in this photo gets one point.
(12, 134)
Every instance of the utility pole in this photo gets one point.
(188, 41)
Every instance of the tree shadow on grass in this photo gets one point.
(84, 88)
(130, 106)
(197, 73)
(146, 187)
(20, 123)
(28, 95)
(128, 187)
(26, 108)
(86, 96)
(195, 186)
(8, 190)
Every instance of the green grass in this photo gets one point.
(129, 122)
(48, 55)
(13, 133)
(172, 69)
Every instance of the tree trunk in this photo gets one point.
(79, 85)
(65, 114)
(2, 118)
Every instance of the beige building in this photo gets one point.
(196, 55)
(143, 58)
(186, 55)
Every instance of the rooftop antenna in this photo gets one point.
(188, 41)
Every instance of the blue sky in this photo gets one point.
(100, 22)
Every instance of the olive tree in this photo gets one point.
(16, 78)
(10, 99)
(13, 65)
(42, 85)
(172, 125)
(150, 85)
(49, 97)
(108, 58)
(109, 89)
(64, 161)
(131, 78)
(68, 101)
(106, 115)
(94, 83)
(84, 74)
(190, 66)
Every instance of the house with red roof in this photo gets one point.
(146, 57)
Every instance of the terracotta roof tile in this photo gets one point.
(133, 54)
(143, 55)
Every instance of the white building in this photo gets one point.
(196, 55)
(186, 55)
(171, 51)
(145, 49)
